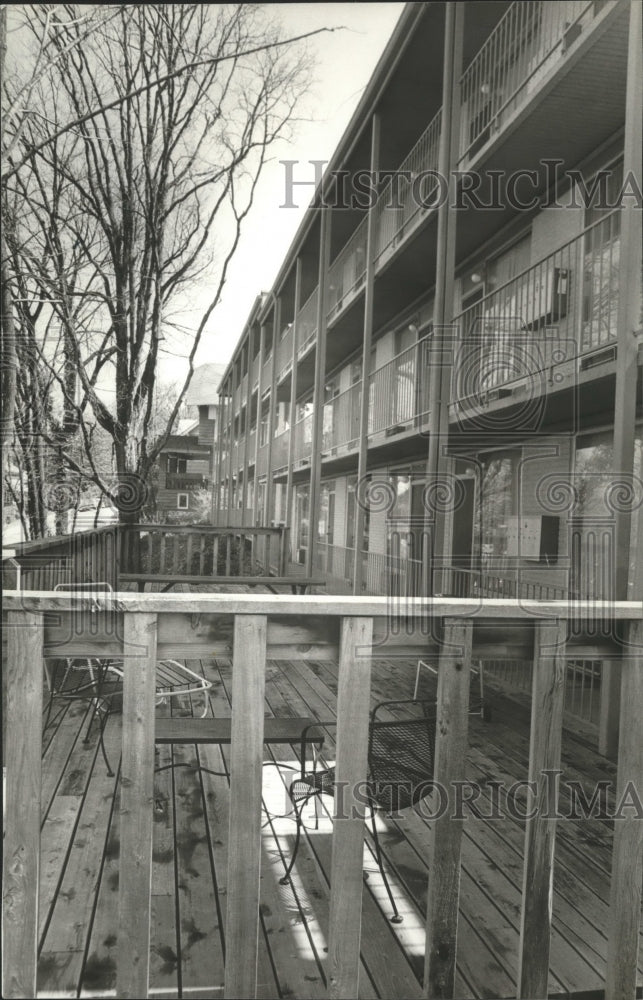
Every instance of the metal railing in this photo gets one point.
(564, 306)
(307, 323)
(522, 49)
(405, 198)
(342, 419)
(280, 449)
(284, 351)
(336, 561)
(347, 272)
(254, 629)
(187, 481)
(399, 390)
(303, 444)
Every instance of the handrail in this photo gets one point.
(252, 629)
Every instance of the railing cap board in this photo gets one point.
(322, 604)
(56, 541)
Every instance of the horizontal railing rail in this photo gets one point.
(252, 630)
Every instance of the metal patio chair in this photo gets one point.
(400, 771)
(102, 678)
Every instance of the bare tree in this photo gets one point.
(116, 218)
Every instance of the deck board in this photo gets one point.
(79, 889)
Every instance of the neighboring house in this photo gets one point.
(185, 463)
(425, 340)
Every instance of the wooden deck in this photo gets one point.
(80, 864)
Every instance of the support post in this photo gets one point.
(246, 758)
(353, 702)
(627, 852)
(434, 538)
(318, 397)
(450, 755)
(21, 852)
(293, 388)
(367, 344)
(627, 335)
(137, 807)
(548, 693)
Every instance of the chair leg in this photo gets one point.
(101, 730)
(285, 879)
(396, 918)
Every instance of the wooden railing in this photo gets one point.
(201, 551)
(141, 551)
(254, 629)
(84, 557)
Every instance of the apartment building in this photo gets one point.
(442, 391)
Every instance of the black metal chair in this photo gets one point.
(400, 771)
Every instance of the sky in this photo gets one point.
(345, 60)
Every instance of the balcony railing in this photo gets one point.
(342, 419)
(347, 273)
(186, 481)
(511, 64)
(284, 351)
(254, 629)
(403, 201)
(564, 306)
(303, 445)
(399, 390)
(280, 449)
(335, 560)
(307, 323)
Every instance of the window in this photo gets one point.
(176, 466)
(498, 503)
(182, 501)
(601, 270)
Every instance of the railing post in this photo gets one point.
(246, 757)
(353, 702)
(450, 753)
(23, 721)
(627, 851)
(137, 799)
(548, 692)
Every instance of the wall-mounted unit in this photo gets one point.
(533, 537)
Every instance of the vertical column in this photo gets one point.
(362, 457)
(216, 495)
(627, 852)
(246, 758)
(353, 703)
(450, 755)
(262, 349)
(137, 806)
(231, 441)
(293, 388)
(21, 871)
(276, 323)
(628, 323)
(435, 543)
(318, 397)
(548, 693)
(244, 495)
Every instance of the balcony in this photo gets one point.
(557, 314)
(399, 211)
(347, 272)
(399, 392)
(527, 44)
(184, 481)
(303, 445)
(280, 449)
(307, 323)
(342, 420)
(284, 352)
